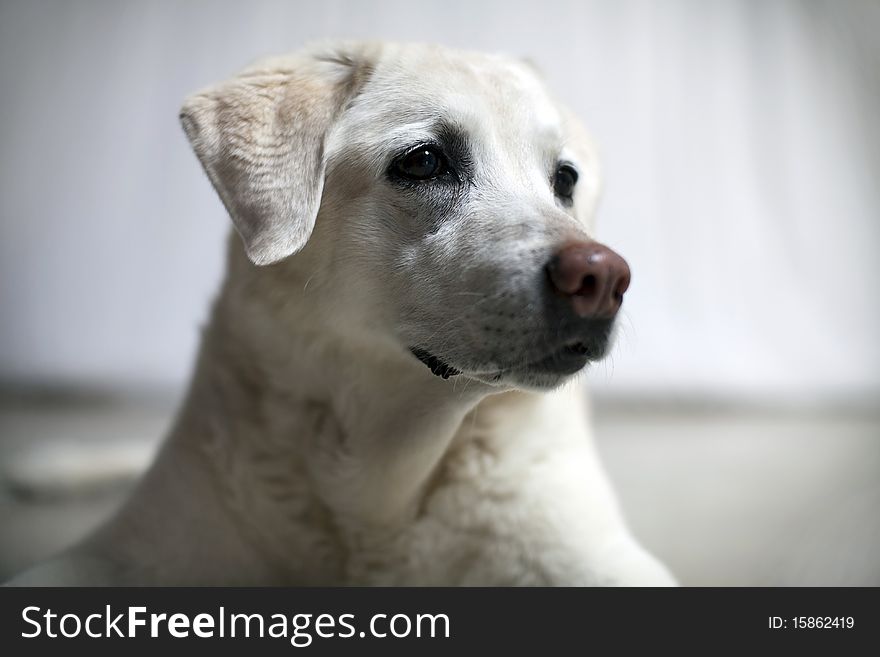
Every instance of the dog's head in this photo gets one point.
(442, 199)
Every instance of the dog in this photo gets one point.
(383, 393)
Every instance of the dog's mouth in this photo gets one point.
(568, 359)
(565, 360)
(437, 366)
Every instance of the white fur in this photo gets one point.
(313, 448)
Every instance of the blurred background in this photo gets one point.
(738, 414)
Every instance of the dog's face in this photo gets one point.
(451, 199)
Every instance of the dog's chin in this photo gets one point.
(548, 372)
(544, 373)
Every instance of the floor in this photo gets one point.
(751, 498)
(725, 496)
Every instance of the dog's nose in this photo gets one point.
(591, 276)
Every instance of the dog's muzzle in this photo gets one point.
(584, 283)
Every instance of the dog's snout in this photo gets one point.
(591, 277)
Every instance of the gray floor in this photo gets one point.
(724, 496)
(751, 498)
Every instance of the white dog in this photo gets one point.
(379, 395)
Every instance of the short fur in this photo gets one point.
(313, 447)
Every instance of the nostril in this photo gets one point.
(552, 269)
(622, 283)
(588, 286)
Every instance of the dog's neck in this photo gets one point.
(289, 414)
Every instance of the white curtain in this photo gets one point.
(741, 151)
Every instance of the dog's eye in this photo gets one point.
(564, 181)
(422, 163)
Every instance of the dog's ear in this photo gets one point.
(260, 138)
